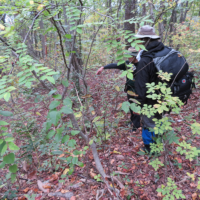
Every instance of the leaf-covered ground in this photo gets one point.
(119, 155)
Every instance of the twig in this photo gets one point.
(91, 48)
(33, 24)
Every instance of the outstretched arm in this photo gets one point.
(112, 66)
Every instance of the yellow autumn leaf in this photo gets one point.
(65, 171)
(37, 113)
(2, 27)
(93, 112)
(131, 93)
(78, 114)
(86, 96)
(40, 7)
(31, 2)
(117, 88)
(119, 106)
(116, 152)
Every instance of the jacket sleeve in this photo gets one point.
(114, 66)
(141, 78)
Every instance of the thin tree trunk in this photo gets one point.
(130, 12)
(42, 37)
(161, 24)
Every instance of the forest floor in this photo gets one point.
(119, 154)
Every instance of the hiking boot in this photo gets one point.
(146, 149)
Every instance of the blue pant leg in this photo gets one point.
(147, 136)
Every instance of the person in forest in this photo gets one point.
(146, 72)
(130, 85)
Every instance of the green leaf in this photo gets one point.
(66, 110)
(13, 168)
(50, 134)
(125, 106)
(52, 92)
(120, 62)
(80, 164)
(71, 170)
(135, 108)
(9, 159)
(48, 125)
(6, 113)
(74, 132)
(79, 30)
(68, 36)
(60, 130)
(57, 96)
(65, 83)
(55, 117)
(7, 96)
(2, 165)
(3, 148)
(141, 153)
(50, 79)
(72, 28)
(3, 123)
(74, 160)
(67, 102)
(58, 137)
(13, 177)
(76, 152)
(54, 104)
(13, 146)
(72, 143)
(65, 138)
(9, 139)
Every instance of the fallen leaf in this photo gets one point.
(159, 194)
(64, 191)
(86, 96)
(32, 175)
(116, 152)
(112, 161)
(53, 177)
(73, 198)
(122, 192)
(194, 196)
(193, 185)
(37, 113)
(117, 88)
(47, 186)
(40, 186)
(24, 165)
(26, 190)
(65, 171)
(62, 155)
(21, 198)
(92, 174)
(38, 198)
(119, 106)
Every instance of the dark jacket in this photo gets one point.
(148, 74)
(130, 84)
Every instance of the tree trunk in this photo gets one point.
(42, 37)
(130, 5)
(161, 24)
(151, 11)
(183, 11)
(172, 29)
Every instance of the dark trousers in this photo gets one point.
(135, 119)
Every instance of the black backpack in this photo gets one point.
(172, 61)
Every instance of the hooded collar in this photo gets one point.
(154, 46)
